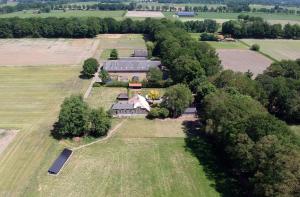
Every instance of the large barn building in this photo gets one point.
(126, 69)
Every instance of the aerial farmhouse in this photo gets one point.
(137, 105)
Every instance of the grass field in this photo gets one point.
(222, 17)
(71, 13)
(104, 96)
(149, 161)
(228, 45)
(29, 100)
(277, 49)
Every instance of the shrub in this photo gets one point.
(116, 84)
(255, 47)
(114, 54)
(157, 112)
(208, 37)
(104, 76)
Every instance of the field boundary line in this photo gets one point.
(108, 136)
(264, 54)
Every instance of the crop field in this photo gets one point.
(242, 60)
(278, 49)
(35, 52)
(124, 43)
(144, 14)
(145, 158)
(29, 100)
(118, 15)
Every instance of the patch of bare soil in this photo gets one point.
(6, 137)
(242, 60)
(36, 52)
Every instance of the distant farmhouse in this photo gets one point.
(185, 14)
(137, 105)
(125, 69)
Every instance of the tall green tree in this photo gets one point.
(100, 122)
(176, 99)
(90, 66)
(73, 117)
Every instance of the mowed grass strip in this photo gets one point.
(278, 49)
(30, 100)
(132, 164)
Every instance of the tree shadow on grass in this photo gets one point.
(54, 132)
(83, 76)
(202, 147)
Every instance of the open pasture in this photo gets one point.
(35, 52)
(141, 160)
(29, 101)
(242, 60)
(144, 14)
(227, 45)
(278, 49)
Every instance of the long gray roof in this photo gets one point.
(122, 105)
(140, 53)
(130, 65)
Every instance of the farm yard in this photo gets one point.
(242, 60)
(35, 52)
(141, 149)
(277, 49)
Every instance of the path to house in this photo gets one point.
(109, 135)
(96, 76)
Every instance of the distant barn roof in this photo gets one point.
(140, 53)
(130, 65)
(60, 161)
(185, 13)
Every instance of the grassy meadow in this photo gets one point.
(227, 45)
(29, 101)
(145, 158)
(278, 49)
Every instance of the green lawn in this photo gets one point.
(104, 96)
(71, 13)
(139, 161)
(30, 99)
(278, 49)
(228, 45)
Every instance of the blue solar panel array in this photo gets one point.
(60, 161)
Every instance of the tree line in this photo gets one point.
(256, 27)
(53, 27)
